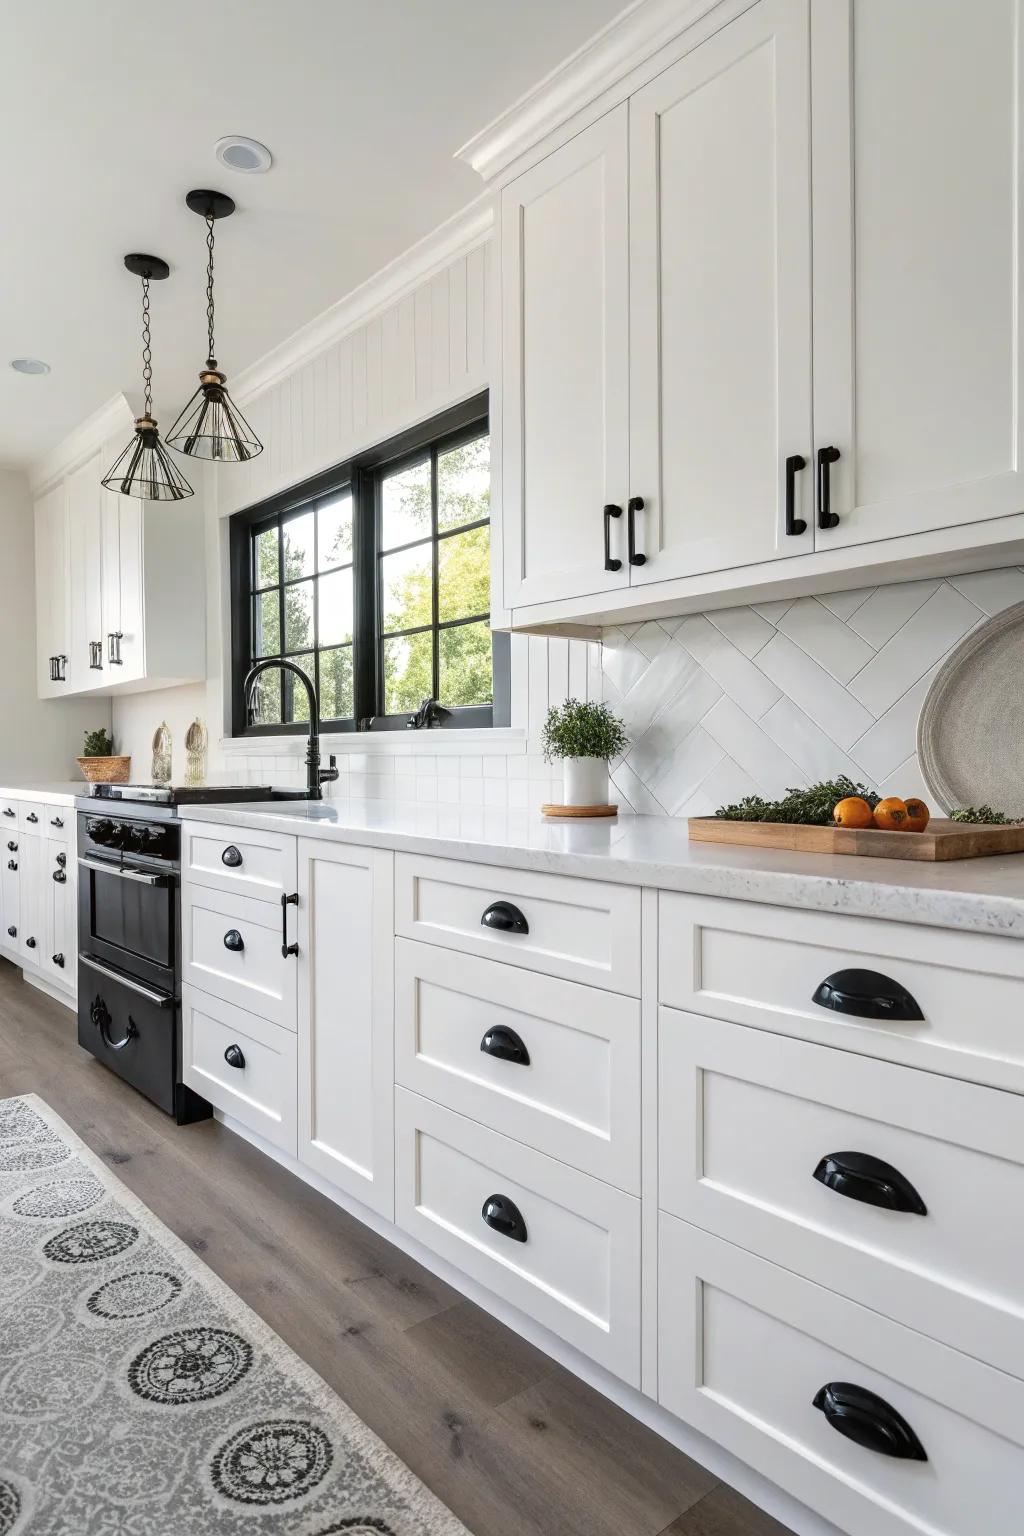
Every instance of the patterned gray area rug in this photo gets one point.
(139, 1396)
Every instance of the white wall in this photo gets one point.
(41, 738)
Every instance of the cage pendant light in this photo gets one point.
(144, 468)
(211, 426)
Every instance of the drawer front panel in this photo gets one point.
(252, 863)
(31, 816)
(773, 1110)
(255, 976)
(581, 930)
(744, 1349)
(575, 1096)
(577, 1272)
(58, 821)
(257, 1085)
(761, 965)
(8, 814)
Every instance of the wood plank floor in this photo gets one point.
(513, 1443)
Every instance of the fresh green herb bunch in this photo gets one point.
(583, 730)
(986, 815)
(98, 744)
(805, 807)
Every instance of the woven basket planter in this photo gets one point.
(105, 770)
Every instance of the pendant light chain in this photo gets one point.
(211, 355)
(147, 353)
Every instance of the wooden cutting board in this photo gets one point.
(942, 839)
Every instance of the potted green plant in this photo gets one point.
(583, 737)
(98, 762)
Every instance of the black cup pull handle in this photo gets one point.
(795, 526)
(234, 1056)
(231, 857)
(866, 995)
(633, 506)
(506, 1045)
(610, 511)
(286, 902)
(867, 1419)
(859, 1176)
(233, 940)
(826, 458)
(504, 1216)
(506, 918)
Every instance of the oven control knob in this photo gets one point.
(101, 831)
(153, 840)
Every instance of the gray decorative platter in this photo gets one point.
(970, 735)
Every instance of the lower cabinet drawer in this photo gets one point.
(747, 1353)
(563, 1247)
(549, 1062)
(242, 1064)
(899, 1188)
(231, 946)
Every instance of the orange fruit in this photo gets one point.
(918, 815)
(852, 812)
(891, 815)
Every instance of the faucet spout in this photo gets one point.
(315, 775)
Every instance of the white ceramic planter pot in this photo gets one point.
(584, 781)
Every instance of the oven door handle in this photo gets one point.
(119, 870)
(159, 999)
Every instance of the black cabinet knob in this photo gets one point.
(867, 1419)
(58, 960)
(859, 1176)
(504, 1216)
(234, 1056)
(12, 863)
(231, 857)
(506, 1045)
(30, 943)
(59, 877)
(866, 995)
(12, 933)
(504, 917)
(233, 940)
(56, 821)
(32, 816)
(62, 859)
(12, 847)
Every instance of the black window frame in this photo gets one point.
(363, 475)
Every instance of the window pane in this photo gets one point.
(405, 506)
(465, 665)
(298, 616)
(405, 589)
(297, 534)
(296, 700)
(266, 566)
(266, 699)
(408, 673)
(266, 624)
(464, 484)
(334, 531)
(336, 684)
(334, 594)
(464, 574)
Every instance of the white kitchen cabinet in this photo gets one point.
(31, 861)
(58, 890)
(10, 889)
(85, 540)
(346, 1018)
(53, 642)
(720, 298)
(565, 381)
(917, 272)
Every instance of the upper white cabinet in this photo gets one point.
(120, 585)
(761, 297)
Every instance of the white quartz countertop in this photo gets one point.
(58, 793)
(980, 895)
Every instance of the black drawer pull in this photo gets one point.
(286, 902)
(610, 511)
(99, 1013)
(30, 943)
(60, 877)
(867, 1419)
(8, 811)
(56, 821)
(12, 863)
(234, 1056)
(58, 960)
(12, 933)
(633, 506)
(826, 517)
(12, 847)
(506, 1045)
(231, 857)
(859, 1176)
(500, 1213)
(506, 918)
(32, 816)
(794, 525)
(866, 995)
(233, 940)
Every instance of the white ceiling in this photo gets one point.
(110, 111)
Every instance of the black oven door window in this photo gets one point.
(127, 918)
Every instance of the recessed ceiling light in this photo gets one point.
(241, 154)
(29, 365)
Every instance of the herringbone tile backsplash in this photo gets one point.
(747, 701)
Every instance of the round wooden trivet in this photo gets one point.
(579, 810)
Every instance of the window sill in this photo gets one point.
(504, 741)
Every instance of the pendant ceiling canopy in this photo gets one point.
(211, 426)
(144, 467)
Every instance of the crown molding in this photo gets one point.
(463, 232)
(599, 65)
(81, 443)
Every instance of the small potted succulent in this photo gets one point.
(98, 762)
(584, 737)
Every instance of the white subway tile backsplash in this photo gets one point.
(843, 604)
(816, 692)
(888, 609)
(991, 591)
(928, 635)
(495, 767)
(893, 737)
(496, 792)
(471, 767)
(747, 630)
(741, 678)
(694, 758)
(757, 754)
(650, 639)
(807, 744)
(448, 789)
(816, 630)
